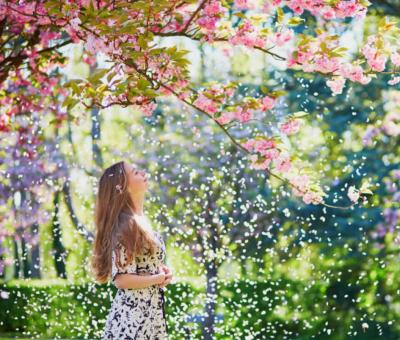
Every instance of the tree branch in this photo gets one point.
(234, 141)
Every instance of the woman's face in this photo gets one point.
(138, 178)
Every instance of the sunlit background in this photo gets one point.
(248, 258)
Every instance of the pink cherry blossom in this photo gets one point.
(271, 153)
(367, 50)
(148, 109)
(346, 8)
(267, 103)
(205, 104)
(295, 6)
(117, 46)
(214, 8)
(303, 57)
(47, 36)
(212, 13)
(89, 59)
(290, 127)
(247, 35)
(353, 194)
(207, 23)
(378, 63)
(336, 84)
(249, 144)
(312, 197)
(263, 144)
(394, 80)
(338, 9)
(226, 117)
(269, 6)
(283, 163)
(281, 38)
(395, 58)
(300, 183)
(328, 13)
(245, 4)
(354, 73)
(94, 44)
(259, 165)
(243, 115)
(325, 64)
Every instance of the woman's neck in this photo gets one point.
(138, 202)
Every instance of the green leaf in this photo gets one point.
(280, 15)
(129, 22)
(150, 93)
(156, 51)
(52, 7)
(179, 18)
(366, 192)
(364, 189)
(110, 76)
(70, 102)
(142, 41)
(240, 15)
(324, 47)
(75, 87)
(299, 114)
(128, 29)
(294, 21)
(365, 3)
(97, 75)
(143, 84)
(337, 52)
(101, 88)
(278, 93)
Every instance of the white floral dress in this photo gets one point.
(138, 313)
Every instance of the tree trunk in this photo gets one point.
(17, 263)
(96, 134)
(211, 298)
(88, 235)
(34, 262)
(25, 258)
(96, 131)
(58, 247)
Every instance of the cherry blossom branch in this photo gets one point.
(233, 140)
(17, 60)
(265, 50)
(194, 15)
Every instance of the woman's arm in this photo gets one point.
(168, 275)
(133, 281)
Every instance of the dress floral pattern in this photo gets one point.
(138, 313)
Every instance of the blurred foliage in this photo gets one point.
(43, 308)
(309, 272)
(281, 306)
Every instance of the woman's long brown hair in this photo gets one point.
(115, 223)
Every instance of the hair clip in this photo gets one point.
(119, 188)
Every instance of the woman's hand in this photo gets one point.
(160, 278)
(168, 275)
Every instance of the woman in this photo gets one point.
(133, 253)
